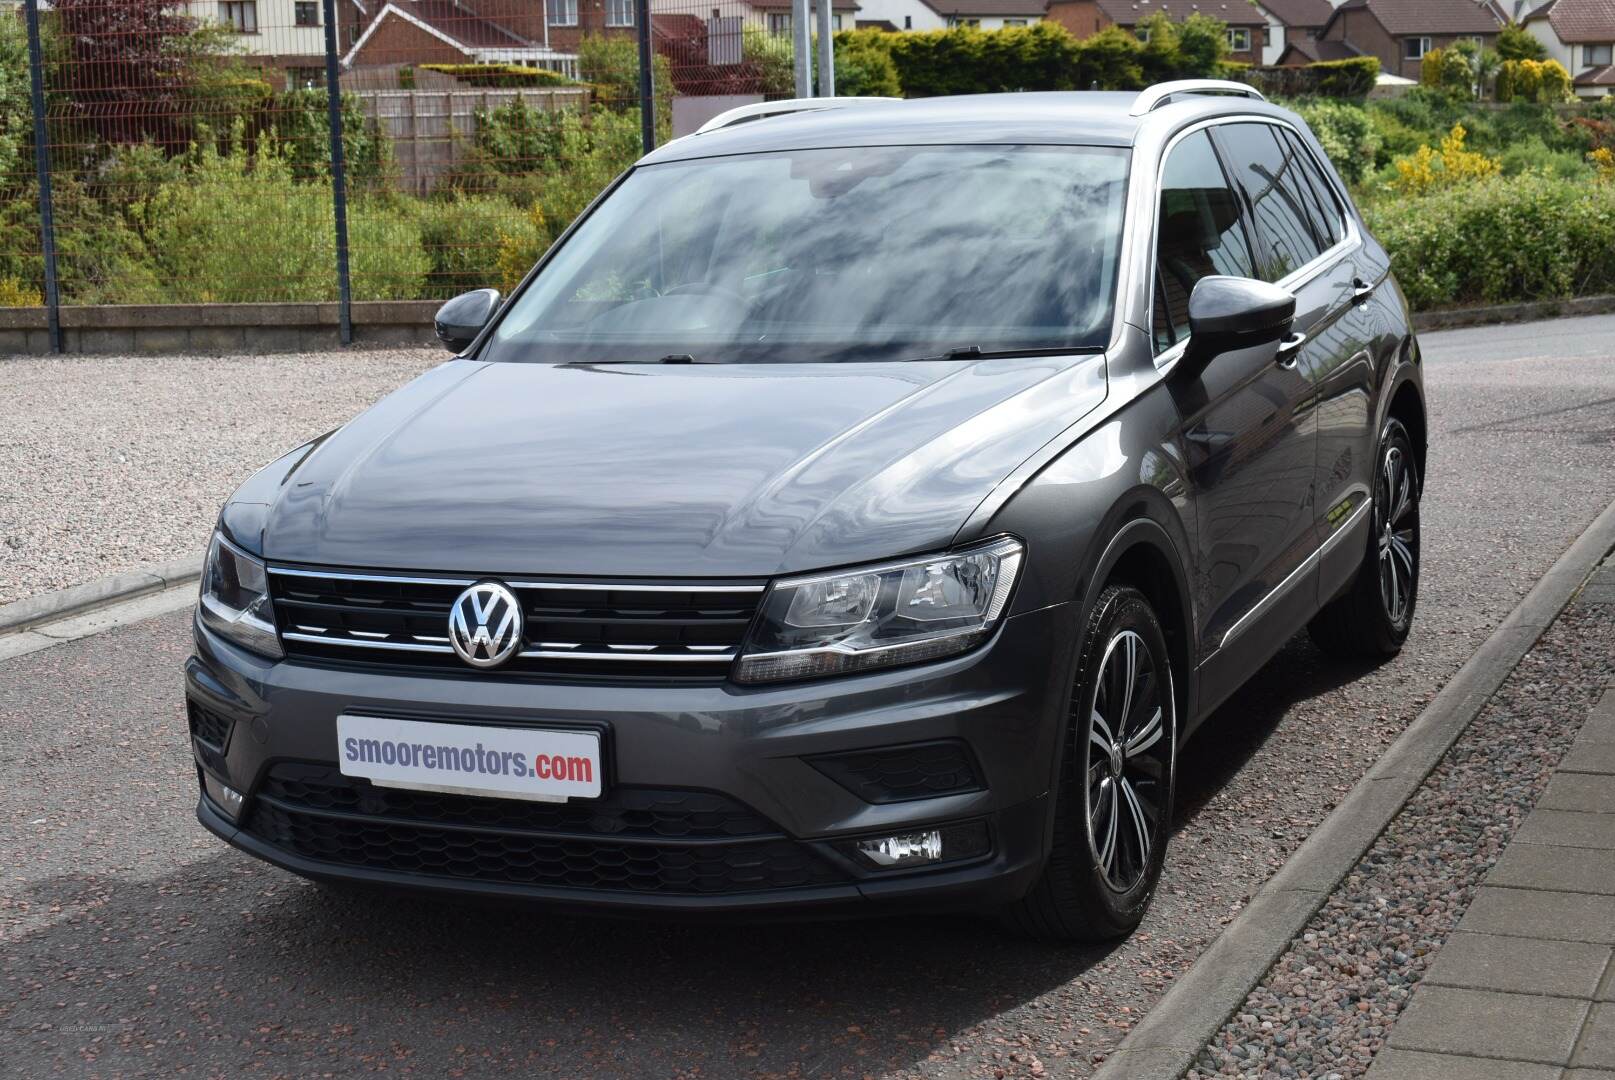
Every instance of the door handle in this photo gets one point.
(1360, 291)
(1290, 348)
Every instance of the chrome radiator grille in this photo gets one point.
(676, 630)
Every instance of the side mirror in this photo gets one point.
(459, 321)
(1227, 313)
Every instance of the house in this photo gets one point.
(773, 15)
(1246, 24)
(288, 35)
(1292, 24)
(1580, 34)
(532, 33)
(1400, 32)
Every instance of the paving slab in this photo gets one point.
(1541, 913)
(1590, 757)
(1600, 725)
(1520, 965)
(1587, 792)
(1566, 828)
(1597, 1046)
(1482, 1023)
(1416, 1065)
(1532, 866)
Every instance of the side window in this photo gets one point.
(1200, 233)
(1328, 222)
(1269, 173)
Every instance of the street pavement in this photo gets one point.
(131, 943)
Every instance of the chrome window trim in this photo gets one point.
(1296, 279)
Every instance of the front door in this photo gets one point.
(1249, 430)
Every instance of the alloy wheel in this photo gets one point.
(1396, 524)
(1130, 740)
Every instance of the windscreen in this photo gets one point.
(834, 255)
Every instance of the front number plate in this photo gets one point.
(539, 764)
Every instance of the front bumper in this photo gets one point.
(748, 745)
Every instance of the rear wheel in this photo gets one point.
(1373, 616)
(1113, 802)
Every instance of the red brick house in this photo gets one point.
(1400, 32)
(1085, 18)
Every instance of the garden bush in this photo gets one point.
(1525, 237)
(863, 68)
(1345, 79)
(1346, 134)
(241, 227)
(1454, 165)
(463, 237)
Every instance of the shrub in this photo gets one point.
(1534, 155)
(14, 293)
(500, 75)
(863, 67)
(1453, 165)
(1346, 134)
(1517, 43)
(1506, 238)
(300, 121)
(242, 228)
(611, 64)
(16, 112)
(1354, 78)
(771, 58)
(1447, 69)
(1603, 161)
(463, 237)
(1542, 81)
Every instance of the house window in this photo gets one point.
(1597, 55)
(1414, 48)
(561, 12)
(1239, 40)
(1267, 35)
(959, 20)
(305, 78)
(908, 22)
(240, 14)
(779, 23)
(835, 22)
(1014, 22)
(307, 13)
(619, 12)
(1143, 34)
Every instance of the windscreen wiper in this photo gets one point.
(670, 358)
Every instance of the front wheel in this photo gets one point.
(1113, 801)
(1373, 616)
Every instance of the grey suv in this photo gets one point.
(855, 508)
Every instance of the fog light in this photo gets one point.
(225, 797)
(944, 844)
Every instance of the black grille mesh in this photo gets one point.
(891, 774)
(208, 726)
(635, 840)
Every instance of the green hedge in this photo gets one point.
(1045, 56)
(1348, 79)
(501, 75)
(1527, 237)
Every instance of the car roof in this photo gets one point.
(1093, 119)
(1071, 118)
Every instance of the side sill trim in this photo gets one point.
(1247, 620)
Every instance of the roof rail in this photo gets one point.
(1162, 93)
(762, 110)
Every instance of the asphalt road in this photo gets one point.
(131, 943)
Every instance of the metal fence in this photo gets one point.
(182, 151)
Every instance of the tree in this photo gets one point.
(1517, 43)
(123, 74)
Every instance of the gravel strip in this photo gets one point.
(1328, 1004)
(108, 464)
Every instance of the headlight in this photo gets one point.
(235, 598)
(896, 613)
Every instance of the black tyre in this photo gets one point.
(1373, 616)
(1113, 801)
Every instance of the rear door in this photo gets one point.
(1249, 428)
